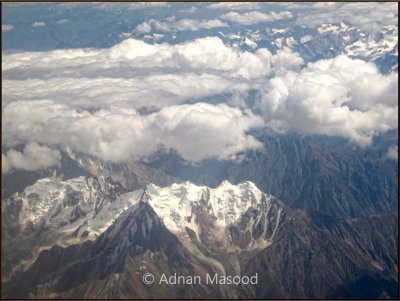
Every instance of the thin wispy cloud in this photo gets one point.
(6, 27)
(240, 6)
(254, 17)
(178, 25)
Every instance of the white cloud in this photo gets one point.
(131, 58)
(48, 93)
(90, 98)
(190, 24)
(139, 5)
(190, 10)
(202, 131)
(324, 5)
(369, 16)
(196, 131)
(393, 152)
(150, 91)
(33, 157)
(38, 24)
(336, 97)
(109, 6)
(254, 17)
(234, 5)
(181, 25)
(286, 60)
(305, 39)
(5, 164)
(6, 27)
(62, 21)
(293, 5)
(144, 27)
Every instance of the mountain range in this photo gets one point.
(92, 228)
(209, 140)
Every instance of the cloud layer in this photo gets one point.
(33, 157)
(173, 26)
(133, 58)
(134, 74)
(196, 131)
(234, 5)
(94, 99)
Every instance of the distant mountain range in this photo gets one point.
(325, 41)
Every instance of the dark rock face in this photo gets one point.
(344, 261)
(136, 232)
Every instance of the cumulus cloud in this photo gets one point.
(149, 91)
(33, 157)
(286, 60)
(196, 131)
(38, 24)
(393, 153)
(370, 16)
(337, 97)
(181, 25)
(6, 27)
(234, 5)
(254, 17)
(92, 99)
(199, 68)
(135, 56)
(135, 74)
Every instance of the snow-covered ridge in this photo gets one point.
(72, 211)
(386, 41)
(211, 214)
(334, 29)
(228, 218)
(86, 206)
(327, 40)
(227, 201)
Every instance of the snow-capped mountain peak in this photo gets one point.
(208, 214)
(227, 201)
(72, 211)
